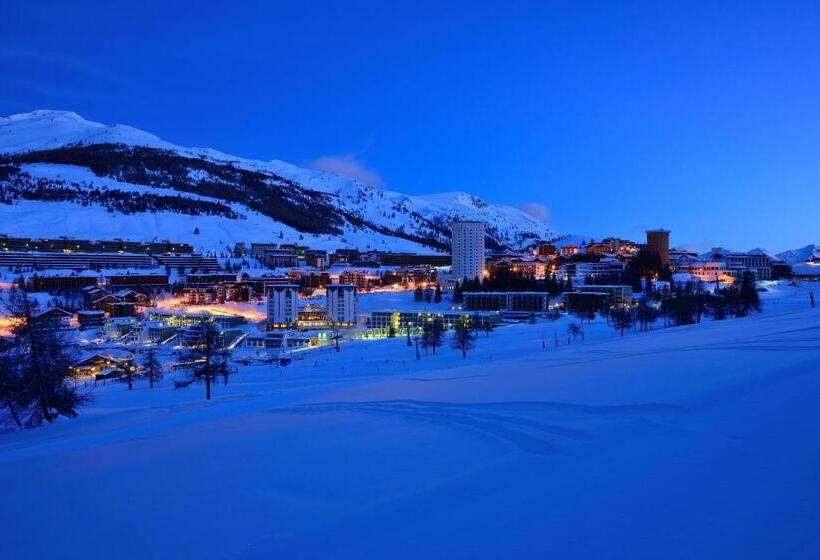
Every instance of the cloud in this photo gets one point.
(348, 165)
(536, 210)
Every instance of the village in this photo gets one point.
(120, 300)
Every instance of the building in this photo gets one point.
(341, 304)
(536, 302)
(759, 263)
(174, 318)
(599, 248)
(616, 294)
(621, 246)
(316, 258)
(400, 323)
(311, 317)
(60, 283)
(289, 340)
(545, 250)
(467, 249)
(280, 258)
(210, 279)
(581, 271)
(52, 318)
(69, 245)
(283, 305)
(529, 269)
(103, 365)
(141, 281)
(258, 250)
(359, 278)
(74, 261)
(808, 270)
(569, 250)
(657, 241)
(90, 319)
(412, 259)
(344, 256)
(704, 270)
(188, 263)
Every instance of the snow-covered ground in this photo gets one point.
(690, 442)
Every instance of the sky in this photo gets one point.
(602, 118)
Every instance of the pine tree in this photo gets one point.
(36, 382)
(432, 335)
(437, 296)
(418, 294)
(621, 319)
(749, 298)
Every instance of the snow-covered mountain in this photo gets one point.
(796, 256)
(63, 175)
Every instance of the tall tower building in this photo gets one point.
(657, 241)
(467, 246)
(341, 304)
(283, 305)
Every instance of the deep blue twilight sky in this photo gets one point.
(615, 116)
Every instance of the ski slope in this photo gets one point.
(689, 442)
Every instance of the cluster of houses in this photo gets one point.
(311, 295)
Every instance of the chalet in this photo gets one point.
(599, 249)
(316, 258)
(52, 318)
(90, 319)
(344, 256)
(545, 250)
(132, 296)
(123, 309)
(104, 365)
(569, 250)
(104, 302)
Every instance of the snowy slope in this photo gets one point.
(46, 142)
(690, 442)
(797, 256)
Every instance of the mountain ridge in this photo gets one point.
(44, 153)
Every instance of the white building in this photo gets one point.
(467, 243)
(283, 305)
(341, 304)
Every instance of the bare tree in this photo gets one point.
(127, 375)
(432, 335)
(645, 314)
(463, 338)
(222, 364)
(151, 367)
(575, 330)
(203, 359)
